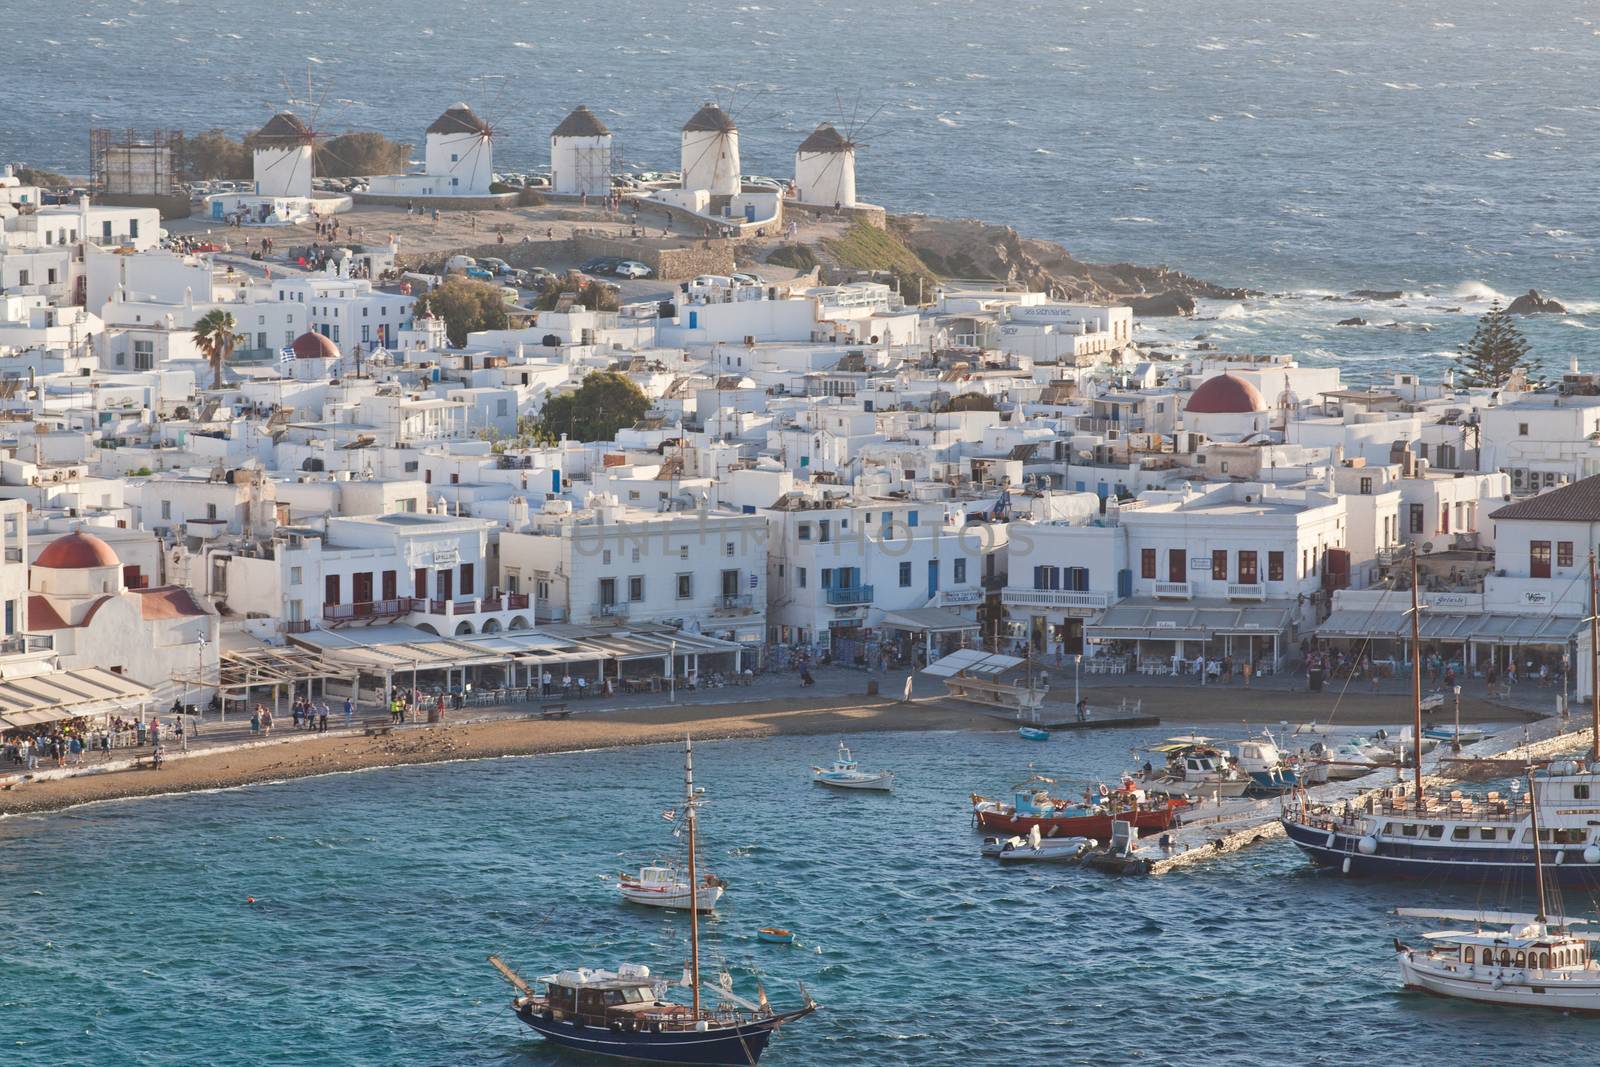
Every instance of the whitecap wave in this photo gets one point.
(1576, 325)
(1498, 155)
(945, 120)
(1143, 220)
(1476, 291)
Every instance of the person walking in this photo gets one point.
(266, 722)
(349, 711)
(182, 735)
(255, 722)
(322, 716)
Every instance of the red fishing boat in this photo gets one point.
(1033, 805)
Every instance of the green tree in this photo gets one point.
(590, 295)
(466, 306)
(1495, 352)
(358, 154)
(605, 403)
(45, 179)
(971, 402)
(214, 154)
(216, 335)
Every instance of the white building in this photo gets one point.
(704, 571)
(825, 169)
(581, 155)
(458, 160)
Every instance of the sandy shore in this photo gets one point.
(299, 755)
(302, 756)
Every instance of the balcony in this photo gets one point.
(847, 595)
(449, 607)
(297, 626)
(19, 643)
(1246, 591)
(376, 609)
(1172, 591)
(734, 604)
(516, 601)
(604, 610)
(1053, 598)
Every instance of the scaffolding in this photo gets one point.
(134, 163)
(594, 167)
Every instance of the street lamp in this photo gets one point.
(672, 672)
(1456, 746)
(200, 674)
(1077, 662)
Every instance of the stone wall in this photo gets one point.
(671, 262)
(443, 203)
(869, 214)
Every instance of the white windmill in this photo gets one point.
(825, 168)
(582, 152)
(283, 156)
(710, 153)
(460, 149)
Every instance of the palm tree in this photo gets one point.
(216, 334)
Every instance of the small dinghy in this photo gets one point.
(1033, 733)
(847, 774)
(1035, 848)
(775, 935)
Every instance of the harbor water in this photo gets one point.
(1442, 149)
(378, 895)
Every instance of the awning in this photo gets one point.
(927, 620)
(1146, 619)
(1493, 627)
(36, 699)
(971, 660)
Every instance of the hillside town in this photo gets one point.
(244, 460)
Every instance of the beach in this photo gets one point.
(1224, 710)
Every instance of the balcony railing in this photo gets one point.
(853, 594)
(297, 626)
(603, 610)
(1053, 598)
(375, 609)
(17, 643)
(1246, 591)
(1172, 590)
(516, 601)
(734, 604)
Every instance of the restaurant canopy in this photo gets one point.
(1492, 628)
(36, 699)
(1146, 619)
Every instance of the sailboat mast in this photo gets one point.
(1416, 679)
(1538, 854)
(694, 885)
(1594, 662)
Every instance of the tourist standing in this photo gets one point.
(322, 716)
(349, 711)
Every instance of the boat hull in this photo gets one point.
(1095, 826)
(1341, 851)
(1499, 985)
(719, 1046)
(1272, 783)
(875, 783)
(705, 900)
(1206, 790)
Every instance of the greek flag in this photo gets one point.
(286, 354)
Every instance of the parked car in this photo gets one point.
(536, 278)
(479, 274)
(600, 265)
(632, 268)
(497, 267)
(749, 279)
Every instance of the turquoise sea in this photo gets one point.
(1444, 149)
(378, 895)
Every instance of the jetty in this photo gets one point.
(1236, 825)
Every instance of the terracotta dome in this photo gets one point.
(314, 346)
(77, 551)
(1226, 394)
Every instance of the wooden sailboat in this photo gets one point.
(626, 1014)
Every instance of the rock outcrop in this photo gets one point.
(969, 248)
(1377, 294)
(1531, 303)
(1351, 322)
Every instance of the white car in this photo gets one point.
(632, 268)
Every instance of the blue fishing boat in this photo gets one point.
(775, 935)
(1033, 733)
(626, 1014)
(1271, 773)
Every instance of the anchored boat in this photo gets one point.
(662, 886)
(1032, 806)
(626, 1013)
(1194, 768)
(847, 774)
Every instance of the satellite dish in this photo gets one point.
(1427, 546)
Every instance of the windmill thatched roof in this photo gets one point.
(710, 119)
(826, 139)
(458, 118)
(581, 123)
(282, 130)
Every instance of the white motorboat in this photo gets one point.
(663, 886)
(847, 774)
(1195, 768)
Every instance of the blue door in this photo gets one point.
(933, 578)
(1124, 583)
(216, 210)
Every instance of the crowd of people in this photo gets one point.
(73, 743)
